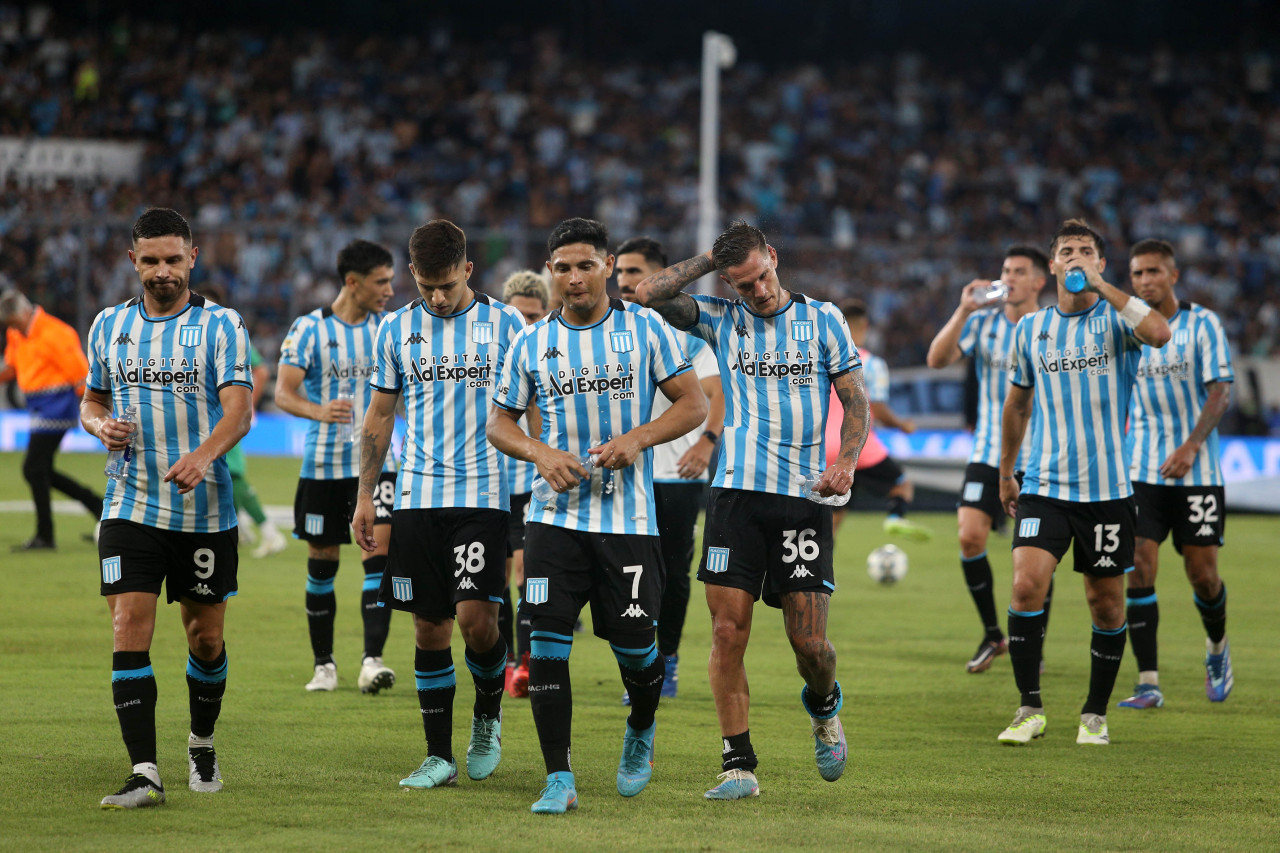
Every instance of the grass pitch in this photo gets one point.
(319, 771)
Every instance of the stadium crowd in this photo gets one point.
(896, 178)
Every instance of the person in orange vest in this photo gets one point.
(44, 355)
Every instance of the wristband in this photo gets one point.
(711, 436)
(1134, 311)
(1011, 477)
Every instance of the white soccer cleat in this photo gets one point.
(273, 541)
(1028, 724)
(325, 679)
(1093, 730)
(204, 775)
(375, 676)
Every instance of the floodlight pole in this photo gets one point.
(717, 52)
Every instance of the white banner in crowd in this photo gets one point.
(47, 160)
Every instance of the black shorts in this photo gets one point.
(676, 509)
(767, 544)
(619, 574)
(322, 509)
(981, 490)
(200, 567)
(439, 557)
(880, 477)
(1196, 514)
(515, 524)
(1103, 532)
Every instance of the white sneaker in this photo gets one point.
(1028, 724)
(248, 530)
(273, 541)
(202, 764)
(326, 678)
(1093, 730)
(375, 676)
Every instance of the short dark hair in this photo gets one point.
(579, 230)
(1078, 228)
(736, 244)
(161, 222)
(647, 246)
(437, 247)
(362, 257)
(854, 309)
(1153, 247)
(1038, 259)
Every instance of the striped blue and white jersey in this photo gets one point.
(1082, 367)
(172, 369)
(335, 355)
(1170, 393)
(446, 367)
(875, 376)
(591, 384)
(666, 457)
(987, 338)
(776, 373)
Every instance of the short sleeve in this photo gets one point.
(515, 385)
(1212, 351)
(387, 371)
(666, 356)
(875, 373)
(298, 346)
(96, 351)
(705, 364)
(231, 353)
(970, 334)
(1023, 375)
(711, 313)
(841, 356)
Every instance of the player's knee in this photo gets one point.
(973, 541)
(815, 652)
(727, 632)
(205, 639)
(479, 631)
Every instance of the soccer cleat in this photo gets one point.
(272, 542)
(829, 747)
(559, 796)
(35, 543)
(896, 525)
(485, 750)
(988, 651)
(735, 785)
(138, 792)
(1144, 696)
(671, 676)
(1093, 730)
(375, 676)
(205, 777)
(519, 686)
(626, 699)
(1028, 724)
(435, 772)
(1218, 679)
(635, 767)
(326, 678)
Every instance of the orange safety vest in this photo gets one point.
(49, 358)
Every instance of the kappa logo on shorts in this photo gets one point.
(111, 570)
(466, 583)
(717, 560)
(973, 492)
(633, 610)
(482, 332)
(401, 589)
(621, 341)
(201, 589)
(801, 572)
(190, 336)
(1097, 325)
(1205, 530)
(314, 523)
(536, 590)
(1029, 528)
(802, 330)
(1105, 562)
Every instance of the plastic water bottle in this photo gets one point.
(997, 291)
(1076, 281)
(544, 491)
(118, 460)
(346, 429)
(809, 486)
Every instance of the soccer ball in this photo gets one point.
(887, 564)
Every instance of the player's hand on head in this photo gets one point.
(617, 453)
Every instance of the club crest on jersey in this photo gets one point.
(111, 570)
(802, 330)
(401, 588)
(1097, 325)
(622, 341)
(1181, 338)
(482, 332)
(717, 560)
(314, 523)
(190, 336)
(1029, 528)
(535, 590)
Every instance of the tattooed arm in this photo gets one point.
(663, 291)
(374, 441)
(838, 479)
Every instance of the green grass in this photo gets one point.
(309, 772)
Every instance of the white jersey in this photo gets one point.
(666, 457)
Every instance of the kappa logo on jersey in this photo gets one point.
(973, 492)
(802, 330)
(401, 588)
(801, 572)
(466, 583)
(741, 330)
(1043, 336)
(535, 590)
(1091, 358)
(1105, 562)
(1182, 337)
(622, 341)
(633, 610)
(416, 338)
(201, 589)
(190, 336)
(111, 570)
(717, 560)
(314, 523)
(1097, 325)
(1029, 528)
(552, 352)
(482, 332)
(123, 339)
(332, 344)
(1205, 530)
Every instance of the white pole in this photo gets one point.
(717, 52)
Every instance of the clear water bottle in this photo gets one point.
(1076, 281)
(997, 291)
(809, 486)
(544, 491)
(346, 429)
(118, 460)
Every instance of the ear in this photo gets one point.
(609, 261)
(1102, 264)
(195, 250)
(773, 256)
(350, 280)
(467, 270)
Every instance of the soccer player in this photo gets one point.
(43, 354)
(679, 466)
(1074, 369)
(779, 353)
(184, 364)
(1172, 448)
(326, 360)
(526, 292)
(442, 353)
(876, 467)
(592, 369)
(983, 331)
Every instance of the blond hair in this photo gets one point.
(526, 283)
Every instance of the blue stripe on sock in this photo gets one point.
(319, 587)
(549, 646)
(372, 581)
(440, 679)
(126, 674)
(636, 659)
(492, 672)
(200, 671)
(1013, 612)
(965, 559)
(1146, 599)
(1222, 599)
(1120, 630)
